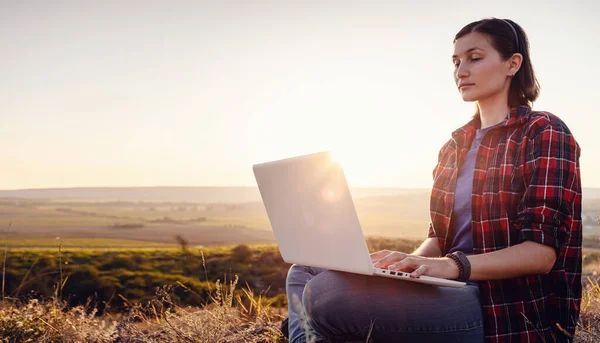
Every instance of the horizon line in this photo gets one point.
(232, 186)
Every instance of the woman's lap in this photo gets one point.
(347, 306)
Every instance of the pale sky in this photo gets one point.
(192, 93)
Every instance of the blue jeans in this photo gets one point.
(344, 307)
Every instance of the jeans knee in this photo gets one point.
(320, 308)
(295, 268)
(300, 275)
(296, 275)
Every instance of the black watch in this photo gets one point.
(464, 266)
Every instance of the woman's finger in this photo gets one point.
(409, 263)
(379, 255)
(419, 271)
(393, 257)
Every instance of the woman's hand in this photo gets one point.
(442, 267)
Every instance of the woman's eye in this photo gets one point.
(456, 64)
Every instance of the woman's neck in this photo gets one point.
(492, 111)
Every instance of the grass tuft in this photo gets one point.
(159, 320)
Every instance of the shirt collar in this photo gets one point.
(517, 115)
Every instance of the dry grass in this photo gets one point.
(228, 318)
(588, 329)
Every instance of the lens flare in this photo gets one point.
(330, 193)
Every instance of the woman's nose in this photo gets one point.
(461, 72)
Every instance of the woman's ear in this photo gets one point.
(514, 64)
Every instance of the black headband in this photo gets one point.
(514, 32)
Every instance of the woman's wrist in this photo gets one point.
(453, 271)
(462, 264)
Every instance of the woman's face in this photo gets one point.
(479, 71)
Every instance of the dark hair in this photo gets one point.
(524, 87)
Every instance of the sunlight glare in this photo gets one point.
(331, 193)
(337, 156)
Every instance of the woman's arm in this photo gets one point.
(527, 258)
(429, 248)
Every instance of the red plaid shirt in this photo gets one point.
(526, 186)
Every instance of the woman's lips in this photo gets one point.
(466, 85)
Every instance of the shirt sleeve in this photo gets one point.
(431, 232)
(553, 187)
(440, 240)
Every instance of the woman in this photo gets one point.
(505, 217)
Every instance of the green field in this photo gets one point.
(61, 214)
(114, 224)
(81, 243)
(119, 224)
(116, 277)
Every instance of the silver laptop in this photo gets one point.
(314, 221)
